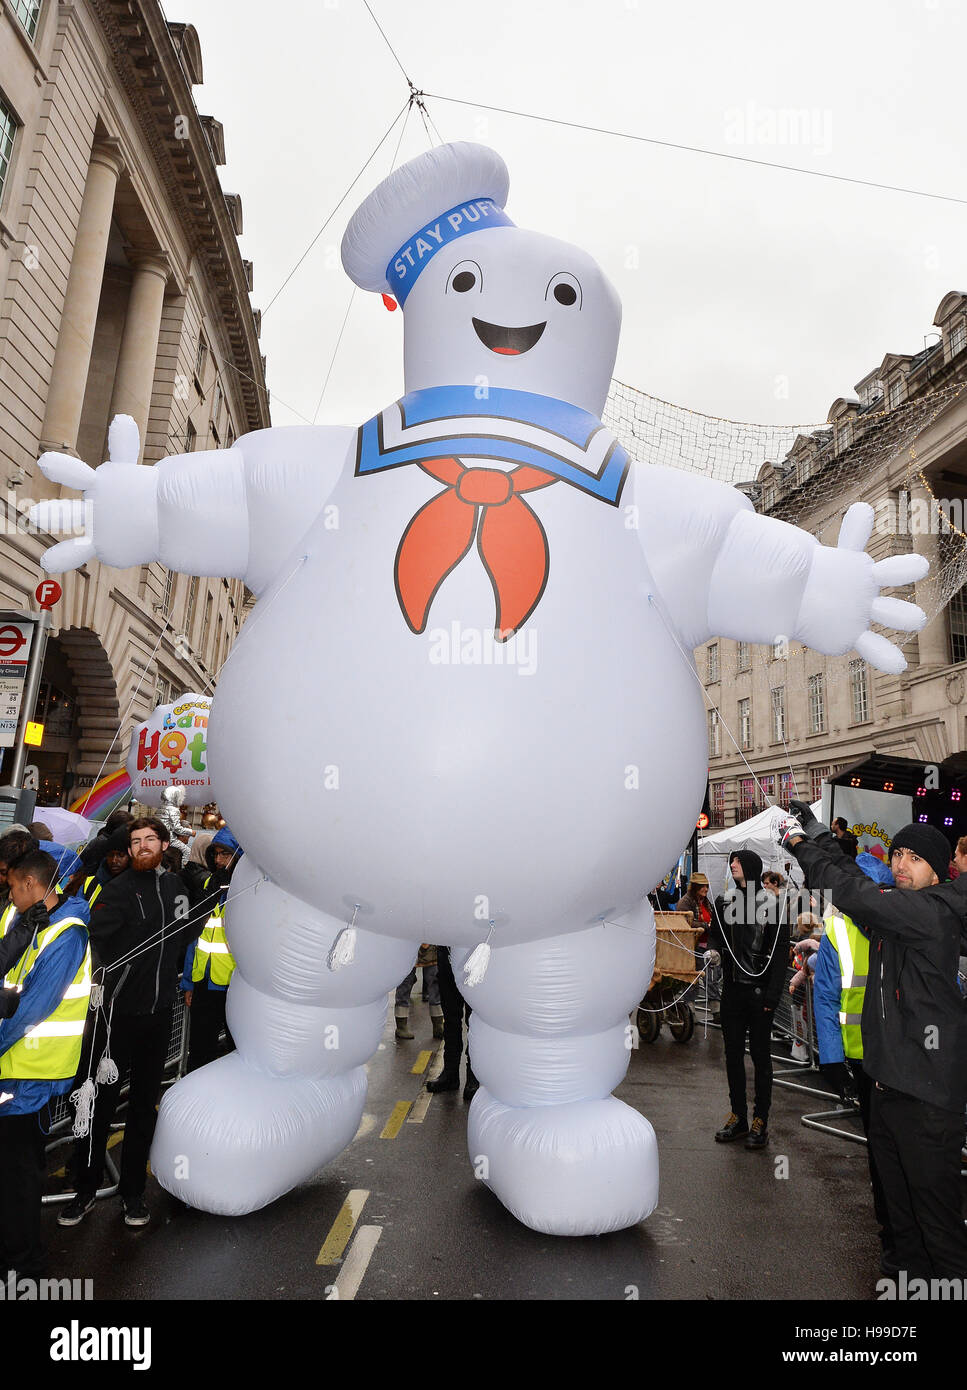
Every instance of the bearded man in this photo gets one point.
(140, 928)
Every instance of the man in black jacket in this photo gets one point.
(914, 1029)
(140, 927)
(749, 936)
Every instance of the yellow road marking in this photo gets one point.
(420, 1063)
(357, 1261)
(343, 1227)
(395, 1122)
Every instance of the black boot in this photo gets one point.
(734, 1128)
(446, 1081)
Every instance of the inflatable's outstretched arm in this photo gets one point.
(724, 570)
(233, 513)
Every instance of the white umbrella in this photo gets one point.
(66, 827)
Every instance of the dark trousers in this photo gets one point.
(917, 1151)
(23, 1171)
(742, 1015)
(139, 1042)
(454, 1006)
(206, 1019)
(864, 1088)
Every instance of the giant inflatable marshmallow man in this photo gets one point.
(476, 617)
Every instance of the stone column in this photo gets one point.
(932, 641)
(134, 379)
(72, 359)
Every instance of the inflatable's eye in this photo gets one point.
(565, 288)
(464, 277)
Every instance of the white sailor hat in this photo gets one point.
(421, 207)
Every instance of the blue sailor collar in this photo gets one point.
(507, 426)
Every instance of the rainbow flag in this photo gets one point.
(106, 795)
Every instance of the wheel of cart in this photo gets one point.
(675, 971)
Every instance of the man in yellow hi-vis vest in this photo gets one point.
(209, 964)
(839, 988)
(44, 1003)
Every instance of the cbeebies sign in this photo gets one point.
(170, 749)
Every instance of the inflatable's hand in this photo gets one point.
(843, 595)
(118, 516)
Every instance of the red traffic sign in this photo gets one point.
(11, 640)
(48, 592)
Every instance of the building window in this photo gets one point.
(744, 659)
(218, 646)
(203, 640)
(201, 357)
(817, 705)
(163, 696)
(190, 606)
(958, 338)
(778, 694)
(8, 129)
(780, 649)
(745, 723)
(859, 686)
(896, 393)
(767, 789)
(786, 788)
(802, 471)
(718, 803)
(958, 625)
(712, 663)
(844, 436)
(714, 734)
(168, 590)
(872, 392)
(191, 438)
(28, 12)
(817, 776)
(768, 498)
(217, 407)
(746, 797)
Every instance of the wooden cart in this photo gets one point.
(676, 967)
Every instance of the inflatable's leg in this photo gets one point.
(550, 1039)
(238, 1133)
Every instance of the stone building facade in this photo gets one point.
(799, 717)
(122, 290)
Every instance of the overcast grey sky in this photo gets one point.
(750, 293)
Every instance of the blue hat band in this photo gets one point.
(411, 259)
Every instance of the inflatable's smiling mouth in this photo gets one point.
(510, 342)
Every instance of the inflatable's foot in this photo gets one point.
(567, 1170)
(231, 1139)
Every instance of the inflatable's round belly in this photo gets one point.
(444, 780)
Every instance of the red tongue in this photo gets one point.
(508, 352)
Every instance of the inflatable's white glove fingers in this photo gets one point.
(58, 515)
(886, 657)
(857, 527)
(900, 569)
(123, 440)
(896, 613)
(712, 958)
(66, 470)
(68, 555)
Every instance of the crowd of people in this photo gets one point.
(94, 948)
(880, 949)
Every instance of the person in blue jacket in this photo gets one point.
(45, 996)
(209, 964)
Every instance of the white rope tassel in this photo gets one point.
(475, 966)
(83, 1101)
(97, 996)
(107, 1072)
(343, 950)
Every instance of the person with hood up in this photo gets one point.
(913, 1028)
(209, 964)
(749, 937)
(116, 860)
(43, 1004)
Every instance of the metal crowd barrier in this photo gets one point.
(62, 1112)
